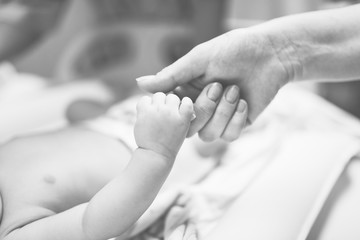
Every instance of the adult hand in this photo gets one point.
(246, 58)
(220, 113)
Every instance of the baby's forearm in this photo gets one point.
(121, 202)
(322, 45)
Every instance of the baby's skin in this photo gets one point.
(59, 199)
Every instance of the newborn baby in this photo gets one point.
(57, 198)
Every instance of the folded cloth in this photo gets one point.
(16, 86)
(118, 122)
(280, 173)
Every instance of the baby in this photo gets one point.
(57, 198)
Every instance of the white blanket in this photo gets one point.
(279, 173)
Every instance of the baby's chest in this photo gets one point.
(57, 186)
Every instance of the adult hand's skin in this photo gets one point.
(261, 59)
(244, 57)
(220, 113)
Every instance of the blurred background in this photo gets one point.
(64, 61)
(83, 16)
(69, 60)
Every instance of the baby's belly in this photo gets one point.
(69, 186)
(62, 180)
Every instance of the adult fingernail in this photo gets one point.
(214, 91)
(232, 94)
(145, 78)
(241, 106)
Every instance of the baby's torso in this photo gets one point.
(52, 173)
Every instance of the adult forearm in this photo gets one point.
(322, 45)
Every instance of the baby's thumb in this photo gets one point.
(187, 68)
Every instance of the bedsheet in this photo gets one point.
(273, 182)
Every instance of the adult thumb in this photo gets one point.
(186, 69)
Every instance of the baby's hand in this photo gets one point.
(162, 123)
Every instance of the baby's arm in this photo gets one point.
(162, 125)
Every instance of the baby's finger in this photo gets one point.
(222, 116)
(143, 103)
(158, 98)
(205, 106)
(187, 108)
(173, 101)
(237, 123)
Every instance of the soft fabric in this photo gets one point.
(279, 174)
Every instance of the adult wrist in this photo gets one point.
(286, 47)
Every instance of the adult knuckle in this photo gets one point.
(173, 79)
(205, 110)
(224, 114)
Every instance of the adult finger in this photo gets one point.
(222, 116)
(205, 106)
(187, 68)
(237, 123)
(187, 90)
